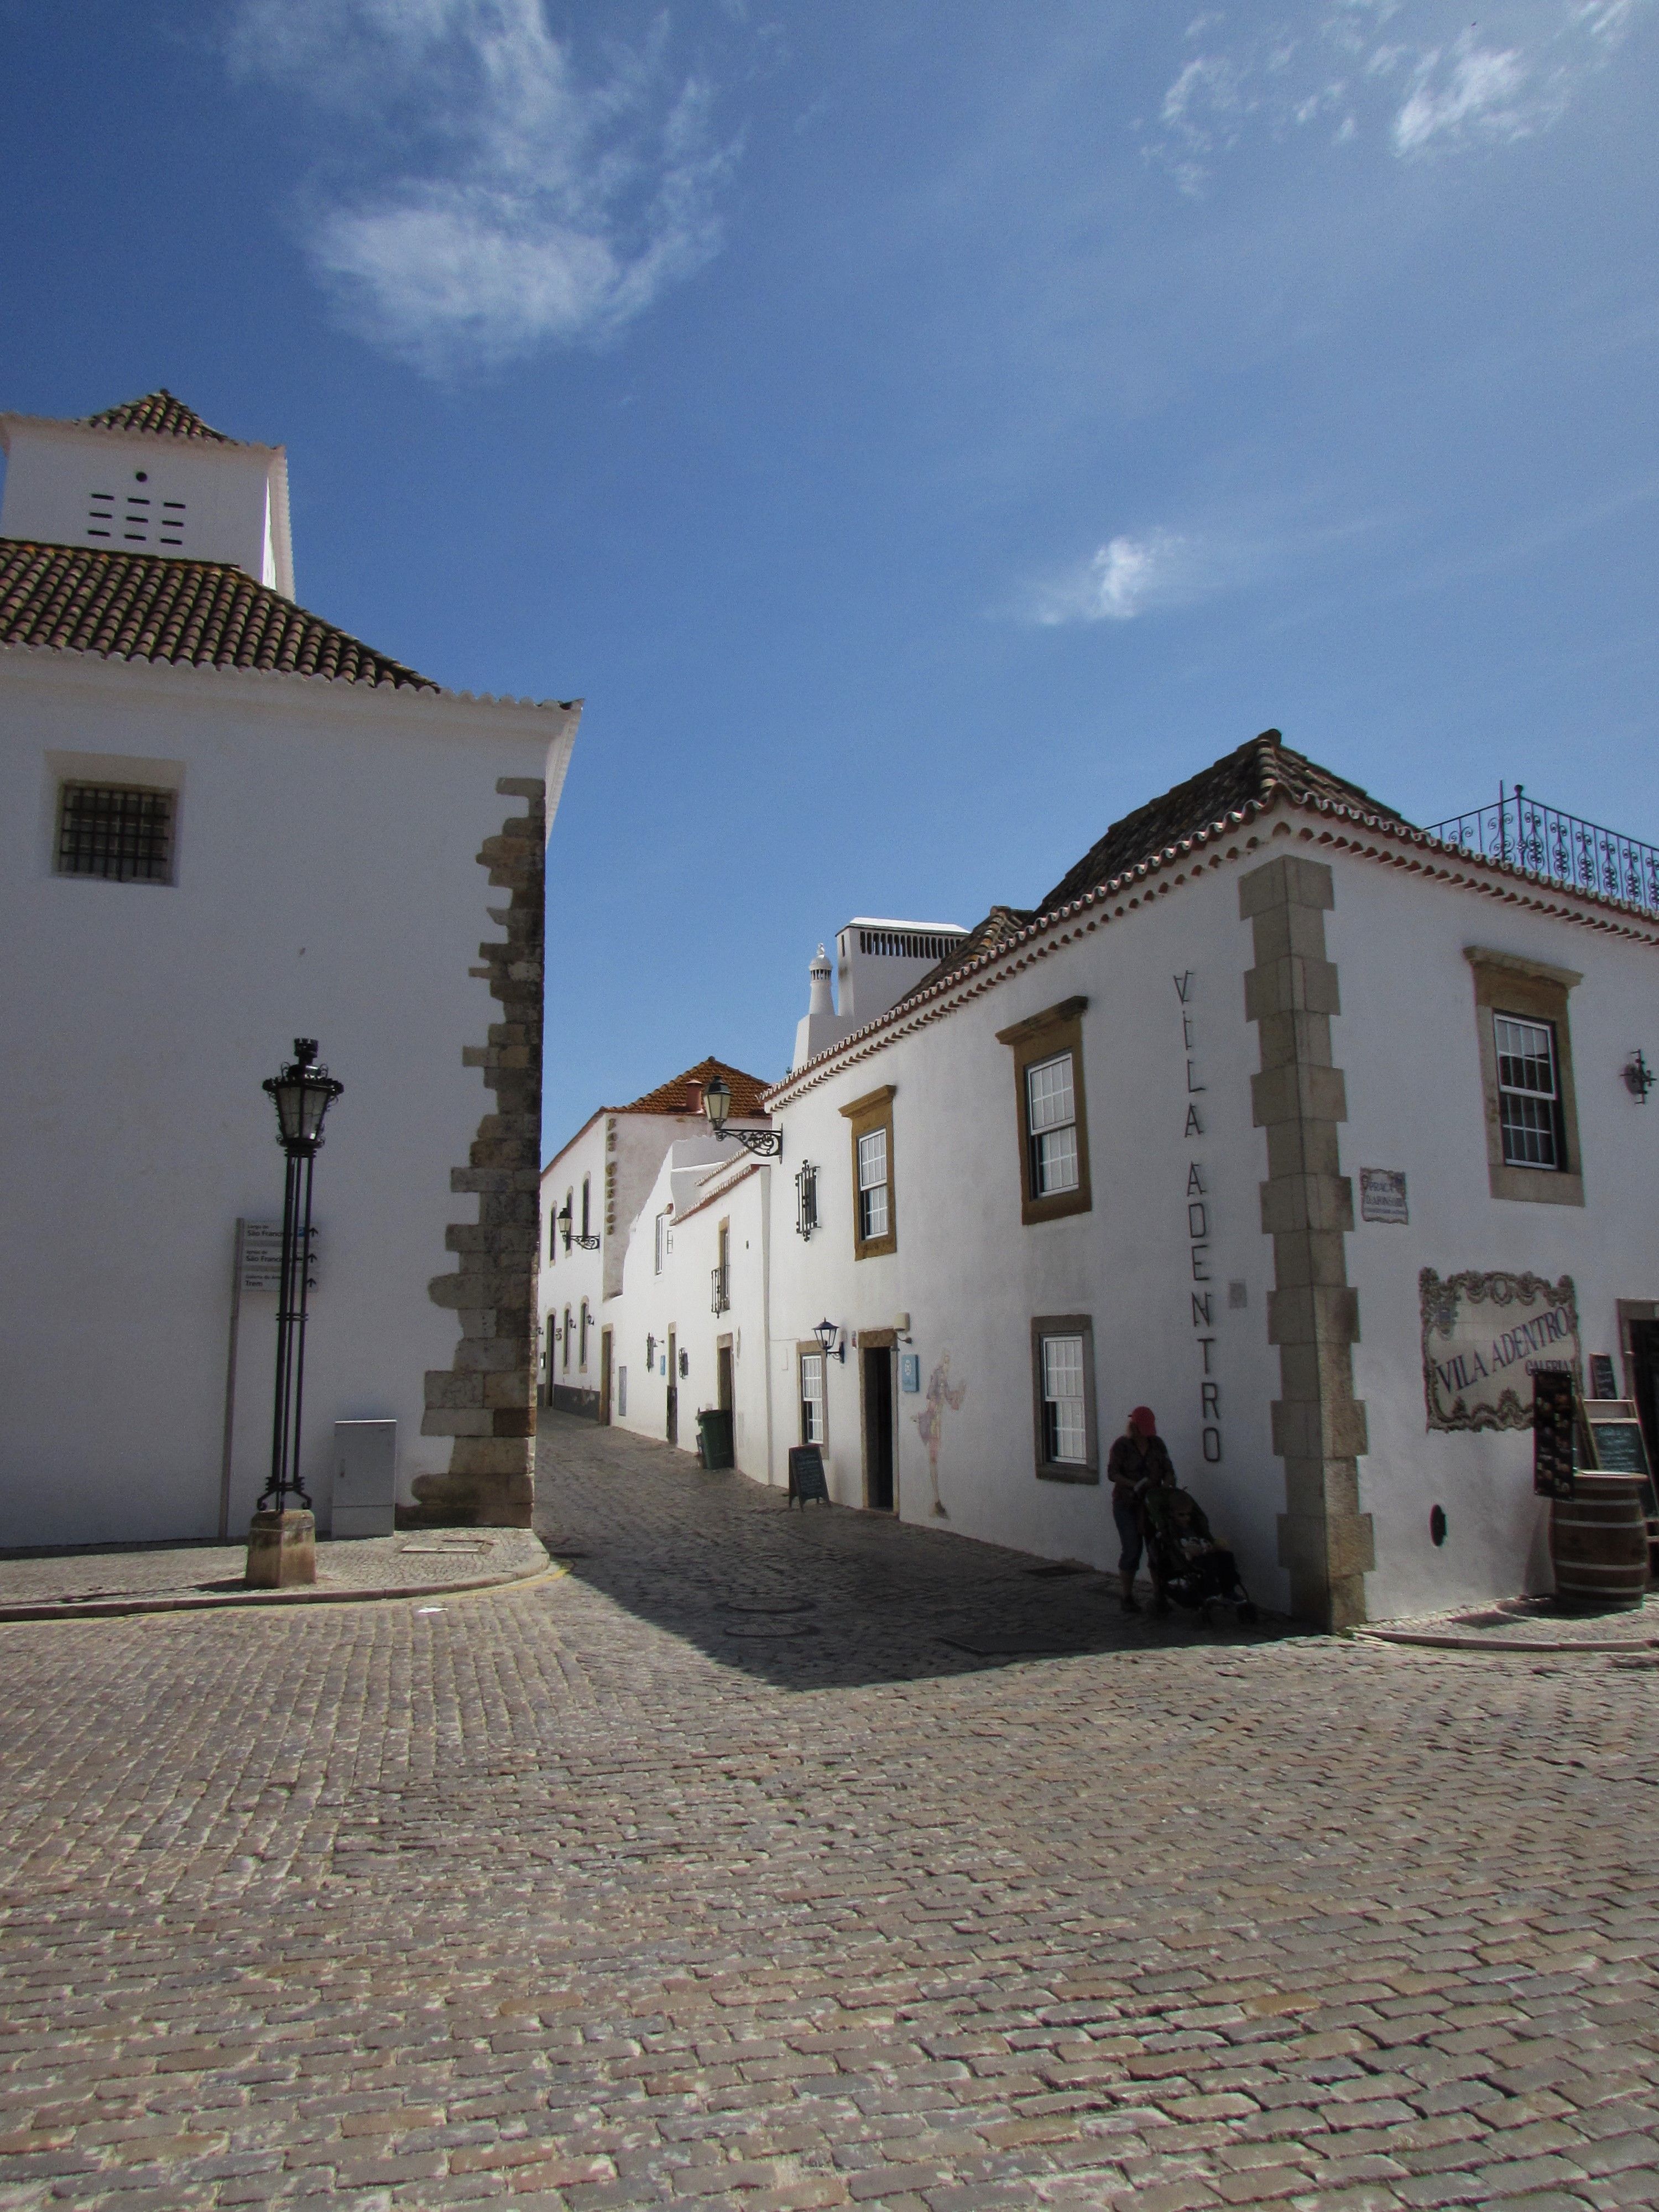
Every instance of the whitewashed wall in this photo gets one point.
(569, 1277)
(679, 1299)
(971, 1278)
(1408, 1039)
(328, 885)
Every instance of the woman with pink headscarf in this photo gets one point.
(1139, 1462)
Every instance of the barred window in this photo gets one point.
(118, 832)
(1529, 1092)
(872, 1184)
(1052, 1118)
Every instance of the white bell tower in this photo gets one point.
(149, 478)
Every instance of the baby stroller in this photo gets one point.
(1193, 1567)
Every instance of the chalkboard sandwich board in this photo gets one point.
(1616, 1440)
(806, 1475)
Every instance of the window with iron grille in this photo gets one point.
(806, 1199)
(120, 832)
(1051, 1116)
(1529, 1092)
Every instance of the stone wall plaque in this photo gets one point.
(1483, 1335)
(1383, 1196)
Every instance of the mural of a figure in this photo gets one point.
(930, 1421)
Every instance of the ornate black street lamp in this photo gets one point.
(826, 1333)
(302, 1094)
(717, 1104)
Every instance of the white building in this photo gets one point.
(593, 1193)
(228, 824)
(1296, 1122)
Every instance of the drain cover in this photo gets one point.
(770, 1628)
(789, 1605)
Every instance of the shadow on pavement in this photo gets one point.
(817, 1597)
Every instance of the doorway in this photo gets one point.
(604, 1378)
(673, 1389)
(876, 1361)
(723, 1367)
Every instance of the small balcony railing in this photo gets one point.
(1558, 847)
(720, 1290)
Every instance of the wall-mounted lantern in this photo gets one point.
(767, 1144)
(1639, 1077)
(826, 1333)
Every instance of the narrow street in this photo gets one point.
(774, 1858)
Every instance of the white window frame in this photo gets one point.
(1522, 1105)
(873, 1188)
(1056, 1166)
(1085, 1466)
(814, 1404)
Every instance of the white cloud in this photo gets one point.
(1435, 83)
(1126, 577)
(1475, 90)
(540, 208)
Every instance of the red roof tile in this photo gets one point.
(141, 606)
(159, 411)
(1239, 779)
(673, 1096)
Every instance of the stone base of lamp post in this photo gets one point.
(282, 1550)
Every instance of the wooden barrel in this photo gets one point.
(1599, 1544)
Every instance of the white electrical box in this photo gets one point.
(364, 1478)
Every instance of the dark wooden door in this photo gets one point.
(673, 1389)
(878, 1428)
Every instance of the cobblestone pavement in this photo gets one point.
(94, 1574)
(584, 1894)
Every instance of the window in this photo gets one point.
(872, 1184)
(553, 1235)
(1063, 1390)
(586, 1232)
(1051, 1116)
(118, 832)
(1528, 1095)
(812, 1431)
(662, 1242)
(1053, 1139)
(1526, 1073)
(582, 1360)
(875, 1227)
(566, 1340)
(806, 1199)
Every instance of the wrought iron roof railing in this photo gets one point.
(1558, 847)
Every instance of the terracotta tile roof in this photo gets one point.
(141, 606)
(673, 1096)
(999, 928)
(1240, 779)
(160, 412)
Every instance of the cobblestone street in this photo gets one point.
(788, 1859)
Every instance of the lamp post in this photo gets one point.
(282, 1539)
(768, 1143)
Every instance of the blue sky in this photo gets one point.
(921, 432)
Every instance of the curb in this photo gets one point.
(1507, 1644)
(224, 1600)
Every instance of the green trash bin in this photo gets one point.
(714, 1436)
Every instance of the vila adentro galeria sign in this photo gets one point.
(1481, 1335)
